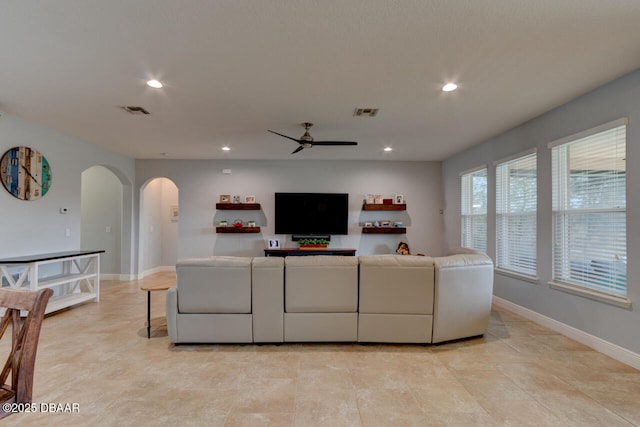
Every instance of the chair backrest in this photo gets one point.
(24, 342)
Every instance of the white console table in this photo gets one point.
(75, 278)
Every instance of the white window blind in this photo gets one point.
(516, 208)
(474, 209)
(589, 211)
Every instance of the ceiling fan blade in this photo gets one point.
(334, 143)
(285, 136)
(300, 148)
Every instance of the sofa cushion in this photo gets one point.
(392, 284)
(321, 284)
(218, 284)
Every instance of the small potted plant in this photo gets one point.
(313, 244)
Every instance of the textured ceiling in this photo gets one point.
(233, 69)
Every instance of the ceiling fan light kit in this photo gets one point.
(306, 140)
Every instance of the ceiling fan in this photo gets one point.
(306, 140)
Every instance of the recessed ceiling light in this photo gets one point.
(449, 87)
(154, 84)
(387, 149)
(226, 148)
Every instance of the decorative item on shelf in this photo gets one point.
(398, 199)
(385, 223)
(249, 199)
(236, 199)
(378, 199)
(368, 224)
(369, 199)
(274, 244)
(376, 223)
(387, 201)
(251, 223)
(398, 224)
(223, 223)
(313, 244)
(225, 198)
(237, 223)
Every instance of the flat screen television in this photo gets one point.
(311, 213)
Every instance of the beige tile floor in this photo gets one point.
(98, 356)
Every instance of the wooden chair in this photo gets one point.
(24, 342)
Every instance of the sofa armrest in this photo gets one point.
(172, 314)
(462, 297)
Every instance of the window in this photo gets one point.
(589, 210)
(474, 209)
(516, 208)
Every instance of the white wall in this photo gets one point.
(32, 227)
(612, 101)
(101, 218)
(200, 182)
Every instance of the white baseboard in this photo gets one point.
(129, 277)
(614, 351)
(159, 269)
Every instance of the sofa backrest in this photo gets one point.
(396, 284)
(321, 284)
(218, 284)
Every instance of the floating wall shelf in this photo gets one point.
(384, 230)
(238, 230)
(378, 207)
(238, 206)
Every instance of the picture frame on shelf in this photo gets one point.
(385, 223)
(377, 199)
(223, 223)
(369, 199)
(398, 199)
(273, 244)
(249, 199)
(368, 224)
(225, 198)
(236, 199)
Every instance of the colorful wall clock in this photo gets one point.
(25, 173)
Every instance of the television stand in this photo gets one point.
(306, 252)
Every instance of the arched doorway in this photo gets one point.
(103, 224)
(158, 240)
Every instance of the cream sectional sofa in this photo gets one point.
(378, 298)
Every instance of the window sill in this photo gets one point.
(591, 294)
(515, 275)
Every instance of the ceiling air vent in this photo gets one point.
(365, 112)
(135, 110)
